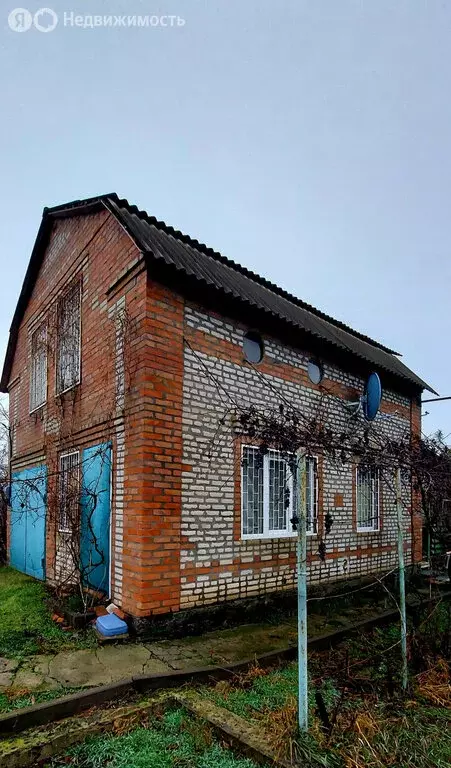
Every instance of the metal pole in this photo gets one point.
(302, 600)
(402, 578)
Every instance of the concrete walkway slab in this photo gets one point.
(110, 663)
(80, 669)
(7, 670)
(130, 660)
(223, 647)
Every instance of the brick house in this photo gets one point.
(130, 346)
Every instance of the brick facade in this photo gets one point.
(153, 441)
(94, 250)
(216, 563)
(161, 378)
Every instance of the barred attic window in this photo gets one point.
(38, 381)
(69, 339)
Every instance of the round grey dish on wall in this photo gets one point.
(315, 371)
(253, 347)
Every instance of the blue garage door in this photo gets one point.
(28, 517)
(95, 515)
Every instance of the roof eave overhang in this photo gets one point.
(167, 271)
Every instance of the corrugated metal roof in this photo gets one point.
(194, 259)
(189, 257)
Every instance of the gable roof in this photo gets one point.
(161, 243)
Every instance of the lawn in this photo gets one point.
(26, 625)
(172, 741)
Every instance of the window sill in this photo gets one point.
(37, 408)
(368, 530)
(68, 389)
(272, 536)
(268, 536)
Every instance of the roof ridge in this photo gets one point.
(178, 235)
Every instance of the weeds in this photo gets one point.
(358, 714)
(434, 684)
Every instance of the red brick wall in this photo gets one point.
(93, 249)
(154, 462)
(146, 529)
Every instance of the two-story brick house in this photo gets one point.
(130, 347)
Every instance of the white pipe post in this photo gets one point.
(302, 599)
(402, 578)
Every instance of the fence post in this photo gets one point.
(402, 578)
(302, 598)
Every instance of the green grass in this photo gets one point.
(26, 625)
(10, 703)
(175, 741)
(269, 693)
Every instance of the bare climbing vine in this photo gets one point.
(66, 492)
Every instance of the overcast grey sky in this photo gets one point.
(310, 141)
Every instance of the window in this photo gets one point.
(367, 498)
(267, 494)
(69, 492)
(315, 371)
(38, 382)
(312, 493)
(69, 338)
(253, 347)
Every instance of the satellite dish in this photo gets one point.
(372, 396)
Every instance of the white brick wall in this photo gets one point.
(213, 386)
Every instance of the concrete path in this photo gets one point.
(109, 663)
(106, 664)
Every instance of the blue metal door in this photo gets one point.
(95, 515)
(28, 520)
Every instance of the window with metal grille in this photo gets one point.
(368, 498)
(69, 492)
(267, 494)
(69, 339)
(312, 493)
(38, 380)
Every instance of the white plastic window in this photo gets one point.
(266, 494)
